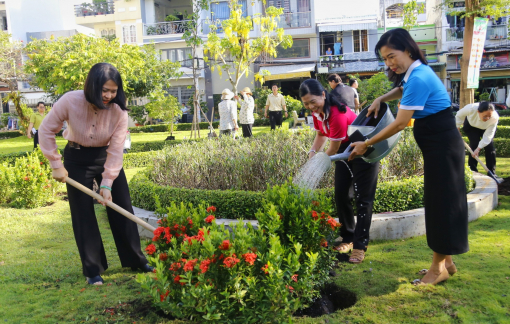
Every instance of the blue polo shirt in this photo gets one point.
(423, 91)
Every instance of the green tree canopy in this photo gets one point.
(61, 65)
(164, 106)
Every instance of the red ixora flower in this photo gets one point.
(315, 203)
(26, 178)
(209, 219)
(163, 256)
(231, 261)
(175, 266)
(324, 243)
(41, 163)
(177, 280)
(291, 289)
(151, 249)
(333, 223)
(190, 265)
(204, 265)
(250, 258)
(225, 245)
(162, 297)
(157, 233)
(315, 216)
(294, 277)
(211, 209)
(265, 268)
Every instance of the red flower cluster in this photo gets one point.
(211, 209)
(333, 223)
(175, 266)
(265, 268)
(209, 219)
(26, 178)
(291, 289)
(294, 277)
(231, 261)
(225, 245)
(315, 216)
(151, 249)
(250, 258)
(162, 297)
(315, 203)
(190, 265)
(177, 280)
(157, 233)
(324, 243)
(204, 265)
(163, 256)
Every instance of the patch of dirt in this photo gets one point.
(332, 299)
(504, 188)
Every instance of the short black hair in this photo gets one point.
(484, 106)
(40, 102)
(399, 39)
(98, 75)
(274, 84)
(352, 81)
(315, 88)
(335, 77)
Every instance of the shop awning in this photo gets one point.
(279, 72)
(485, 74)
(334, 27)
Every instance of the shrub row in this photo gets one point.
(138, 160)
(157, 146)
(164, 127)
(502, 146)
(10, 134)
(397, 195)
(504, 121)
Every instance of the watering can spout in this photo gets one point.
(340, 156)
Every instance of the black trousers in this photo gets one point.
(247, 130)
(446, 213)
(474, 135)
(363, 176)
(36, 139)
(275, 119)
(84, 165)
(227, 132)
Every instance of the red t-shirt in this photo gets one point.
(334, 126)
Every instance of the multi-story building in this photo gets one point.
(26, 19)
(495, 65)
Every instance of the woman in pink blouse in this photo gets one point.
(331, 120)
(97, 123)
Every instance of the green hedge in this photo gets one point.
(187, 126)
(504, 121)
(398, 195)
(156, 146)
(10, 134)
(10, 158)
(164, 127)
(501, 132)
(502, 146)
(138, 160)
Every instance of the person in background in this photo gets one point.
(480, 121)
(353, 83)
(184, 109)
(331, 120)
(97, 122)
(35, 122)
(425, 99)
(228, 113)
(341, 92)
(329, 51)
(246, 118)
(275, 103)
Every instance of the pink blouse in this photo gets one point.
(87, 127)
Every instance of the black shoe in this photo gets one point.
(144, 268)
(97, 280)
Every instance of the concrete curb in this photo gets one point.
(388, 226)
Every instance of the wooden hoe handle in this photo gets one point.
(476, 158)
(110, 204)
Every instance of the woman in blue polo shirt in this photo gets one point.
(425, 99)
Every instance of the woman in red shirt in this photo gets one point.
(97, 126)
(331, 119)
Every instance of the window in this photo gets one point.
(360, 39)
(181, 93)
(395, 11)
(181, 55)
(107, 32)
(221, 11)
(129, 34)
(300, 48)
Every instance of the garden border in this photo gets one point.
(388, 226)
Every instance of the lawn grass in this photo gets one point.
(24, 144)
(41, 280)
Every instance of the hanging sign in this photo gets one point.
(479, 32)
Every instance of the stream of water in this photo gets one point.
(311, 173)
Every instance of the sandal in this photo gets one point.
(357, 256)
(451, 270)
(343, 247)
(97, 280)
(443, 276)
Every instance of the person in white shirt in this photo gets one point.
(480, 121)
(228, 113)
(246, 118)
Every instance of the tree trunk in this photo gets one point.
(467, 96)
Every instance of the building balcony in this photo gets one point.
(497, 32)
(165, 28)
(295, 20)
(94, 9)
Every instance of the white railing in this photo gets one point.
(497, 32)
(295, 19)
(165, 28)
(454, 34)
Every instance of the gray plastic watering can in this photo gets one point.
(368, 127)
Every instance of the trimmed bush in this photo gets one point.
(504, 121)
(157, 146)
(138, 160)
(4, 135)
(10, 158)
(502, 132)
(149, 128)
(396, 195)
(187, 126)
(502, 146)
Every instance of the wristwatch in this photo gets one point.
(314, 151)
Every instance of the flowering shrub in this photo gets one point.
(205, 272)
(29, 183)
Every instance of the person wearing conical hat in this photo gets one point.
(228, 113)
(246, 118)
